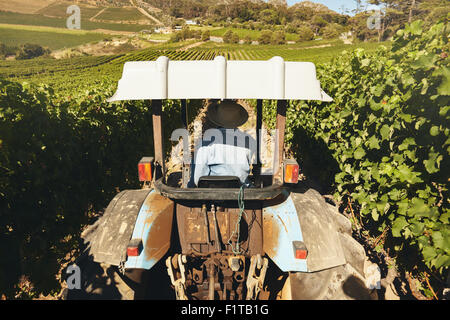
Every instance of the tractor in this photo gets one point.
(273, 239)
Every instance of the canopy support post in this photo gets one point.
(186, 167)
(158, 139)
(256, 170)
(279, 145)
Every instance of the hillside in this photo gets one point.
(23, 6)
(316, 7)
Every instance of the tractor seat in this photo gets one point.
(219, 182)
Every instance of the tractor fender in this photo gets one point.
(301, 217)
(132, 214)
(154, 228)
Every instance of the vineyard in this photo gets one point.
(56, 22)
(48, 37)
(80, 73)
(381, 148)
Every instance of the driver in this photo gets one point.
(225, 151)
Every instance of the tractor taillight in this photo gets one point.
(291, 171)
(145, 169)
(134, 248)
(300, 251)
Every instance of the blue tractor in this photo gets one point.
(273, 239)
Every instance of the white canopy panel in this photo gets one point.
(219, 79)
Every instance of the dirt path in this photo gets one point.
(97, 14)
(313, 47)
(193, 45)
(145, 13)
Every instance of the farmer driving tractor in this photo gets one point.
(229, 153)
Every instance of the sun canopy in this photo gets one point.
(219, 79)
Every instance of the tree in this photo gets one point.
(235, 38)
(175, 37)
(278, 37)
(228, 36)
(358, 7)
(3, 50)
(291, 28)
(186, 33)
(178, 23)
(248, 39)
(359, 27)
(197, 34)
(413, 4)
(265, 37)
(395, 13)
(318, 22)
(305, 34)
(29, 51)
(332, 31)
(269, 16)
(206, 35)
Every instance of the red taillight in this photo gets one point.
(145, 169)
(133, 252)
(291, 171)
(301, 254)
(134, 248)
(300, 251)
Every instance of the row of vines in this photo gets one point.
(383, 145)
(61, 161)
(290, 54)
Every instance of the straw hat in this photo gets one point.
(227, 114)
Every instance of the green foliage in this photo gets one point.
(47, 37)
(6, 50)
(248, 40)
(230, 37)
(29, 51)
(265, 37)
(185, 34)
(60, 22)
(227, 36)
(278, 37)
(305, 34)
(60, 159)
(206, 35)
(332, 31)
(386, 140)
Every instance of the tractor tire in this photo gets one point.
(102, 282)
(352, 281)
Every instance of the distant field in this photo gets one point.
(305, 44)
(59, 9)
(49, 37)
(40, 20)
(159, 36)
(24, 6)
(121, 14)
(242, 33)
(313, 51)
(67, 76)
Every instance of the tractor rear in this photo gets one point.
(271, 239)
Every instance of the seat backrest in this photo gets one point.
(219, 182)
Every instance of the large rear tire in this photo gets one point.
(105, 282)
(352, 281)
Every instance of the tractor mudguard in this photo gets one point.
(132, 214)
(301, 217)
(154, 228)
